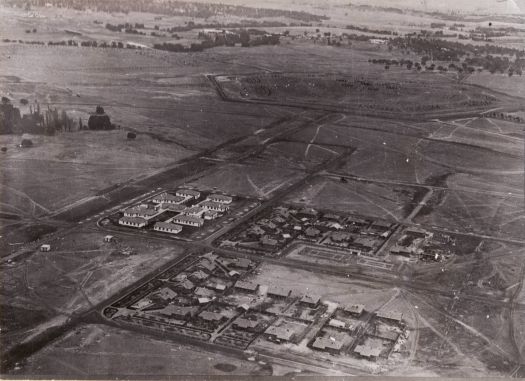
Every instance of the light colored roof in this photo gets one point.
(391, 315)
(368, 350)
(173, 207)
(310, 299)
(245, 323)
(210, 316)
(279, 291)
(246, 285)
(354, 308)
(167, 196)
(336, 323)
(325, 342)
(280, 332)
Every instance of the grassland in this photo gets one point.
(78, 273)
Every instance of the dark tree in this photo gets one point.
(131, 135)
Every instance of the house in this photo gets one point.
(210, 215)
(308, 213)
(199, 275)
(381, 225)
(216, 206)
(203, 292)
(279, 334)
(310, 301)
(188, 193)
(187, 285)
(207, 264)
(45, 247)
(166, 198)
(387, 335)
(180, 277)
(194, 211)
(354, 309)
(268, 241)
(417, 232)
(188, 220)
(245, 324)
(392, 316)
(337, 324)
(167, 227)
(255, 231)
(134, 222)
(178, 312)
(166, 293)
(246, 286)
(220, 198)
(108, 238)
(331, 217)
(278, 292)
(365, 242)
(312, 232)
(368, 351)
(175, 208)
(204, 300)
(328, 344)
(241, 263)
(211, 316)
(340, 236)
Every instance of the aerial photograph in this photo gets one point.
(241, 188)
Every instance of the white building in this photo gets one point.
(216, 206)
(220, 198)
(166, 198)
(188, 220)
(134, 222)
(167, 227)
(188, 193)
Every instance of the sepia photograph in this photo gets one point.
(201, 189)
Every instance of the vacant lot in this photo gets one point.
(357, 197)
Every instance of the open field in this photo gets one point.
(257, 180)
(375, 200)
(77, 355)
(79, 272)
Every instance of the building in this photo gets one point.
(312, 232)
(246, 286)
(279, 334)
(241, 263)
(392, 316)
(328, 344)
(354, 309)
(178, 312)
(141, 212)
(203, 292)
(188, 220)
(109, 238)
(167, 227)
(310, 301)
(188, 193)
(337, 324)
(245, 324)
(187, 285)
(278, 292)
(166, 293)
(166, 198)
(134, 222)
(220, 198)
(368, 351)
(216, 206)
(175, 208)
(210, 215)
(199, 275)
(194, 211)
(45, 247)
(211, 316)
(268, 241)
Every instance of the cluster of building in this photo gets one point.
(420, 244)
(171, 211)
(214, 296)
(285, 224)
